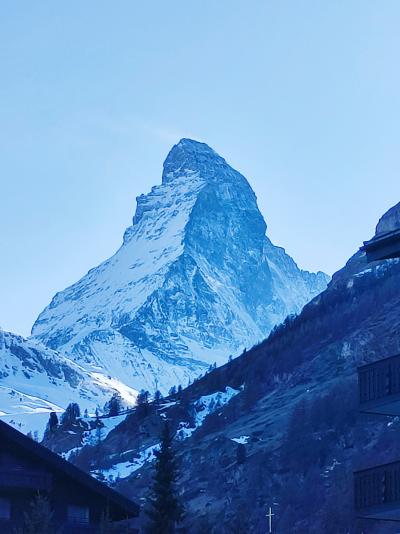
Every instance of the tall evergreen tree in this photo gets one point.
(38, 518)
(165, 508)
(53, 421)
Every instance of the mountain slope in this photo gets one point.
(292, 401)
(35, 380)
(195, 281)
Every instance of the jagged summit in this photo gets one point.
(190, 155)
(195, 281)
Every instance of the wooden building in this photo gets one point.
(383, 246)
(377, 489)
(379, 386)
(78, 501)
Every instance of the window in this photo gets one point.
(5, 508)
(78, 514)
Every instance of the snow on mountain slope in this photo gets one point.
(35, 380)
(195, 281)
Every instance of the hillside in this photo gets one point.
(292, 402)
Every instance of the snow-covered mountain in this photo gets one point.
(35, 380)
(195, 281)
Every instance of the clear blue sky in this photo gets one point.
(301, 96)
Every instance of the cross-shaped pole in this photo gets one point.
(270, 515)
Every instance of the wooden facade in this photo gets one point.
(377, 489)
(383, 247)
(379, 386)
(78, 501)
(377, 492)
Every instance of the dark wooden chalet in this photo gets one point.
(377, 489)
(78, 500)
(383, 246)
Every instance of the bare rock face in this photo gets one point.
(195, 281)
(390, 221)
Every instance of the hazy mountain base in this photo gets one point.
(298, 412)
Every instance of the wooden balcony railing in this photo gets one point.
(379, 386)
(377, 489)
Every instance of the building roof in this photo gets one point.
(122, 506)
(383, 246)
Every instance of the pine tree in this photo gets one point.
(38, 518)
(51, 427)
(114, 405)
(71, 414)
(53, 422)
(157, 397)
(142, 402)
(165, 508)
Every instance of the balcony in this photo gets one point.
(383, 247)
(377, 492)
(23, 479)
(379, 386)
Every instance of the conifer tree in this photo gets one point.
(114, 406)
(157, 397)
(165, 508)
(71, 415)
(38, 518)
(51, 426)
(142, 402)
(53, 422)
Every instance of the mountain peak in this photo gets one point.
(189, 155)
(196, 280)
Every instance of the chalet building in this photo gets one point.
(78, 501)
(377, 489)
(383, 246)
